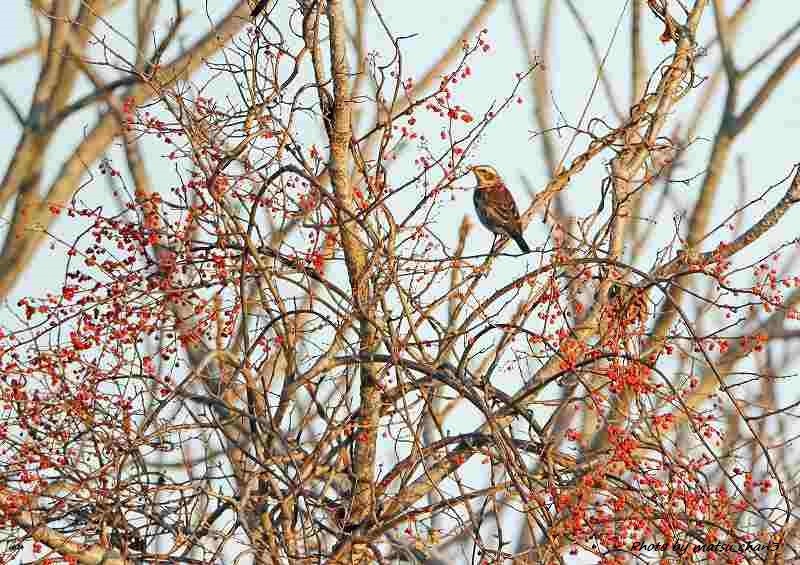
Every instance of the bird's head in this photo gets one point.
(485, 174)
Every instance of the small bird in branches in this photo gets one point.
(495, 206)
(624, 319)
(629, 305)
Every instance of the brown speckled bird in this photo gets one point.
(496, 207)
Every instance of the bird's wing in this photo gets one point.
(503, 205)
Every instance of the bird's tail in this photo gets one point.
(523, 245)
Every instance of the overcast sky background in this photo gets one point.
(769, 146)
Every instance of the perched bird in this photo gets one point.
(496, 207)
(623, 321)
